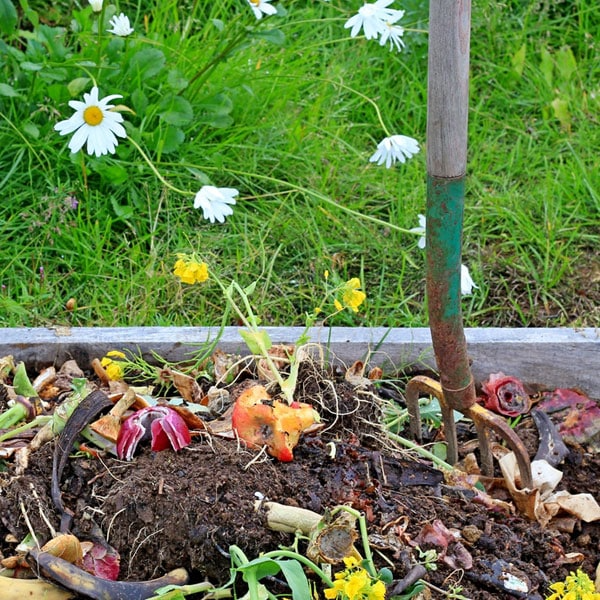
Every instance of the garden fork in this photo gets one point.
(447, 119)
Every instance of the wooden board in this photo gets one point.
(552, 357)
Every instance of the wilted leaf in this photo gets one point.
(561, 112)
(566, 63)
(254, 339)
(546, 66)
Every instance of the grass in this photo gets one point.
(285, 110)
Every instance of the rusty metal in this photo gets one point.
(485, 422)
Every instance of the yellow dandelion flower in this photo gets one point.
(377, 591)
(190, 270)
(113, 368)
(576, 586)
(352, 297)
(357, 584)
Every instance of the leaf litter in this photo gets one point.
(161, 511)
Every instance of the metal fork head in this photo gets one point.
(485, 421)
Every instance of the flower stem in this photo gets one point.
(155, 170)
(301, 559)
(420, 450)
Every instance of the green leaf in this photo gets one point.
(52, 38)
(254, 338)
(175, 110)
(145, 64)
(214, 111)
(176, 80)
(8, 16)
(30, 66)
(78, 85)
(546, 66)
(8, 90)
(139, 101)
(112, 172)
(431, 411)
(31, 130)
(168, 139)
(21, 382)
(124, 212)
(217, 121)
(291, 569)
(219, 104)
(273, 36)
(566, 63)
(294, 574)
(261, 567)
(385, 575)
(561, 112)
(518, 60)
(249, 289)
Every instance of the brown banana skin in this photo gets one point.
(77, 580)
(32, 589)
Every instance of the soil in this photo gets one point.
(165, 510)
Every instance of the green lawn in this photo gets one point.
(288, 110)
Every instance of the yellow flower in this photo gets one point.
(378, 591)
(113, 368)
(576, 586)
(352, 297)
(190, 270)
(338, 305)
(354, 583)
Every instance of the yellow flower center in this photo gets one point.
(92, 115)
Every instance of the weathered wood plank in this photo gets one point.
(553, 357)
(448, 87)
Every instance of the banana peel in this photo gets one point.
(20, 589)
(80, 582)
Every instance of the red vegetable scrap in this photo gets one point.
(505, 395)
(101, 559)
(576, 415)
(161, 423)
(260, 421)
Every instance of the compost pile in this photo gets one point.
(163, 510)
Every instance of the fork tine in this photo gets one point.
(485, 422)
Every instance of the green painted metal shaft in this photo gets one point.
(445, 204)
(447, 110)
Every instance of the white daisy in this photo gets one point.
(421, 229)
(96, 5)
(120, 25)
(260, 7)
(94, 123)
(394, 34)
(393, 148)
(466, 282)
(215, 202)
(372, 18)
